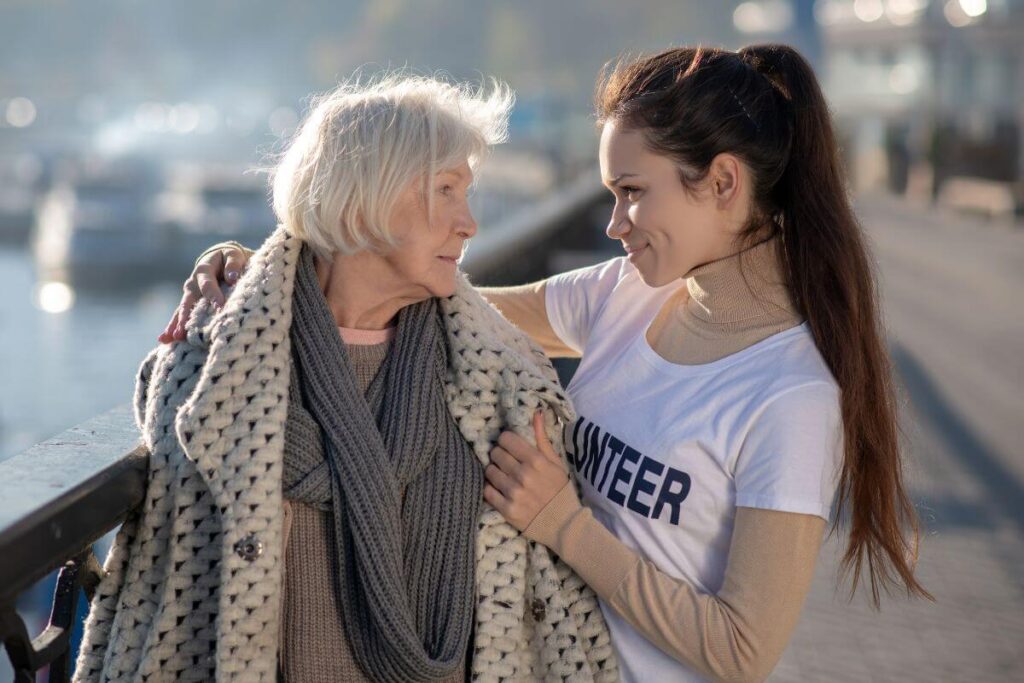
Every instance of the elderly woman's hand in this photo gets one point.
(221, 262)
(521, 479)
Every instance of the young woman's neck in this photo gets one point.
(746, 287)
(725, 306)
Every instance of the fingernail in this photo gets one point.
(231, 275)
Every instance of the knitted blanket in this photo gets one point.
(191, 585)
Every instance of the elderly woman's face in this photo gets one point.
(430, 245)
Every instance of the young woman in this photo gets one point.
(733, 375)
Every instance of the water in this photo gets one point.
(60, 369)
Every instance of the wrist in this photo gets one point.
(547, 526)
(230, 244)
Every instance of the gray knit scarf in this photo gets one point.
(404, 486)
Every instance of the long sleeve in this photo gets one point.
(737, 634)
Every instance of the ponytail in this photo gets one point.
(832, 281)
(764, 104)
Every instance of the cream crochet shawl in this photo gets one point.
(192, 583)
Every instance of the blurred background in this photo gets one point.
(129, 131)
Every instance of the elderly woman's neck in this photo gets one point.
(363, 292)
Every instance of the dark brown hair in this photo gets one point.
(764, 105)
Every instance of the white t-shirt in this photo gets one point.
(664, 452)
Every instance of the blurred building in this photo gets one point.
(928, 94)
(927, 90)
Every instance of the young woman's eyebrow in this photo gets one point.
(617, 179)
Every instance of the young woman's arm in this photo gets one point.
(737, 634)
(524, 306)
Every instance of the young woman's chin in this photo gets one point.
(653, 277)
(647, 279)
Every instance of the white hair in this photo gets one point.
(361, 145)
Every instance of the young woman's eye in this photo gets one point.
(632, 193)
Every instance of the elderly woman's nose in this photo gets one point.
(466, 226)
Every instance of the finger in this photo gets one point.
(206, 276)
(543, 444)
(188, 302)
(518, 447)
(209, 288)
(494, 498)
(234, 263)
(212, 262)
(499, 480)
(167, 335)
(179, 322)
(504, 460)
(210, 266)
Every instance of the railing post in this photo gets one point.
(53, 646)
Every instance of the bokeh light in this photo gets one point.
(21, 112)
(54, 297)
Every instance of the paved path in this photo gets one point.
(953, 290)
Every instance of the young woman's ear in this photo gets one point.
(725, 179)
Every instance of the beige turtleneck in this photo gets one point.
(740, 632)
(726, 306)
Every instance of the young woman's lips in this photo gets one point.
(633, 252)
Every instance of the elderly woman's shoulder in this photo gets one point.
(476, 325)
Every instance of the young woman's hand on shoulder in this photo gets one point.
(222, 262)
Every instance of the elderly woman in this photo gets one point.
(314, 508)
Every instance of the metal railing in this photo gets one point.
(62, 495)
(56, 500)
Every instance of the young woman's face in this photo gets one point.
(665, 230)
(430, 244)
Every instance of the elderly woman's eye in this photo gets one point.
(447, 190)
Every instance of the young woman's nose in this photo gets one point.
(619, 224)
